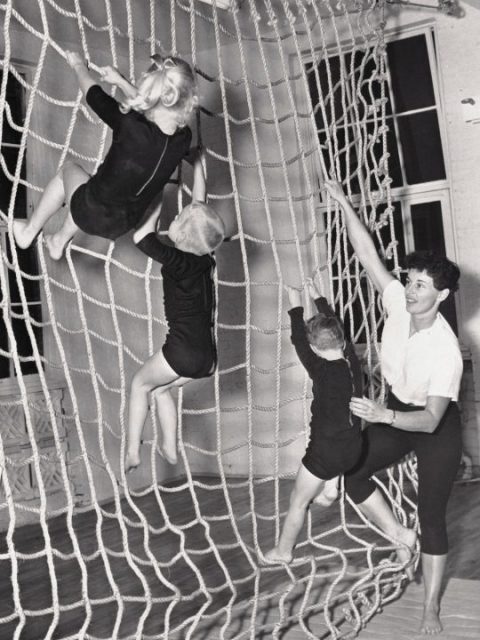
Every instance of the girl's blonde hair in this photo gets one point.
(170, 83)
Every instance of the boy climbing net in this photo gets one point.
(189, 350)
(335, 436)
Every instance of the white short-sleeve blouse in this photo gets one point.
(427, 363)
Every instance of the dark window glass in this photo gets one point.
(4, 361)
(428, 234)
(15, 100)
(422, 147)
(10, 155)
(385, 234)
(27, 260)
(410, 74)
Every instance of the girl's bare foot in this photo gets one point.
(22, 233)
(55, 246)
(275, 556)
(132, 460)
(431, 624)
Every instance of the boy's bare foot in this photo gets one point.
(274, 556)
(55, 247)
(431, 624)
(22, 233)
(168, 451)
(132, 461)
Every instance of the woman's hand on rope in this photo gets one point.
(294, 296)
(335, 191)
(370, 411)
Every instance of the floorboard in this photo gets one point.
(118, 599)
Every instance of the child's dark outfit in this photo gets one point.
(335, 434)
(189, 307)
(137, 166)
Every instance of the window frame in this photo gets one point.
(9, 383)
(406, 195)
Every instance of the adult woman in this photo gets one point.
(422, 364)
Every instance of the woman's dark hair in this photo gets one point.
(444, 272)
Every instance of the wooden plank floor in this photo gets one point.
(165, 546)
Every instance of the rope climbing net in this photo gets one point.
(290, 91)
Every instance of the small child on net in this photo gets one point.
(150, 136)
(189, 351)
(335, 434)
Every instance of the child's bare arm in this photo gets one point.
(110, 75)
(78, 64)
(199, 189)
(150, 224)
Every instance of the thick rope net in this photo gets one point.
(291, 92)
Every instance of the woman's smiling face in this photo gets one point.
(420, 293)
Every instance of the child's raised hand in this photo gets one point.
(315, 286)
(110, 74)
(74, 59)
(294, 296)
(313, 292)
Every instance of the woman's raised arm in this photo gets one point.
(360, 239)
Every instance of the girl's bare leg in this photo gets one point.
(58, 191)
(306, 488)
(73, 177)
(155, 373)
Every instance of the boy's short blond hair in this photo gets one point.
(203, 226)
(325, 332)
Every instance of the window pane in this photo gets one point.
(429, 236)
(422, 147)
(24, 345)
(4, 361)
(385, 234)
(410, 73)
(27, 259)
(394, 169)
(15, 99)
(10, 155)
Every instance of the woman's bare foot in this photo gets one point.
(405, 553)
(55, 246)
(431, 624)
(275, 556)
(22, 233)
(132, 461)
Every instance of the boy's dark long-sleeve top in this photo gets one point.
(334, 382)
(189, 307)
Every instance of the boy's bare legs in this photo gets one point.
(329, 493)
(433, 568)
(155, 373)
(58, 191)
(307, 486)
(377, 511)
